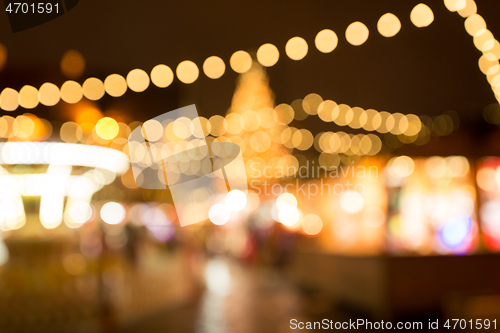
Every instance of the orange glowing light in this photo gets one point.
(486, 179)
(72, 64)
(3, 56)
(40, 129)
(87, 118)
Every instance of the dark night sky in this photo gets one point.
(420, 70)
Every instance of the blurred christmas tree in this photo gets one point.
(260, 128)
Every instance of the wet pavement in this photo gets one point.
(248, 299)
(237, 299)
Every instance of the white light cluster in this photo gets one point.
(220, 213)
(77, 186)
(352, 202)
(52, 199)
(113, 213)
(12, 214)
(63, 154)
(287, 212)
(57, 183)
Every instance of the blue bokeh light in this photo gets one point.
(455, 230)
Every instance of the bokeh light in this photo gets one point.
(74, 263)
(153, 130)
(9, 99)
(484, 41)
(326, 41)
(352, 202)
(288, 214)
(162, 76)
(388, 25)
(107, 128)
(49, 94)
(72, 64)
(421, 15)
(455, 5)
(312, 224)
(401, 166)
(356, 33)
(260, 141)
(138, 80)
(70, 132)
(236, 200)
(80, 212)
(286, 113)
(187, 72)
(87, 117)
(286, 199)
(469, 9)
(23, 127)
(93, 89)
(268, 55)
(240, 62)
(475, 25)
(28, 97)
(115, 85)
(113, 213)
(214, 67)
(296, 48)
(454, 232)
(218, 125)
(71, 92)
(485, 177)
(219, 214)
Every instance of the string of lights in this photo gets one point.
(187, 72)
(106, 131)
(109, 132)
(483, 39)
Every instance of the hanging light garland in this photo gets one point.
(268, 55)
(188, 72)
(483, 39)
(406, 127)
